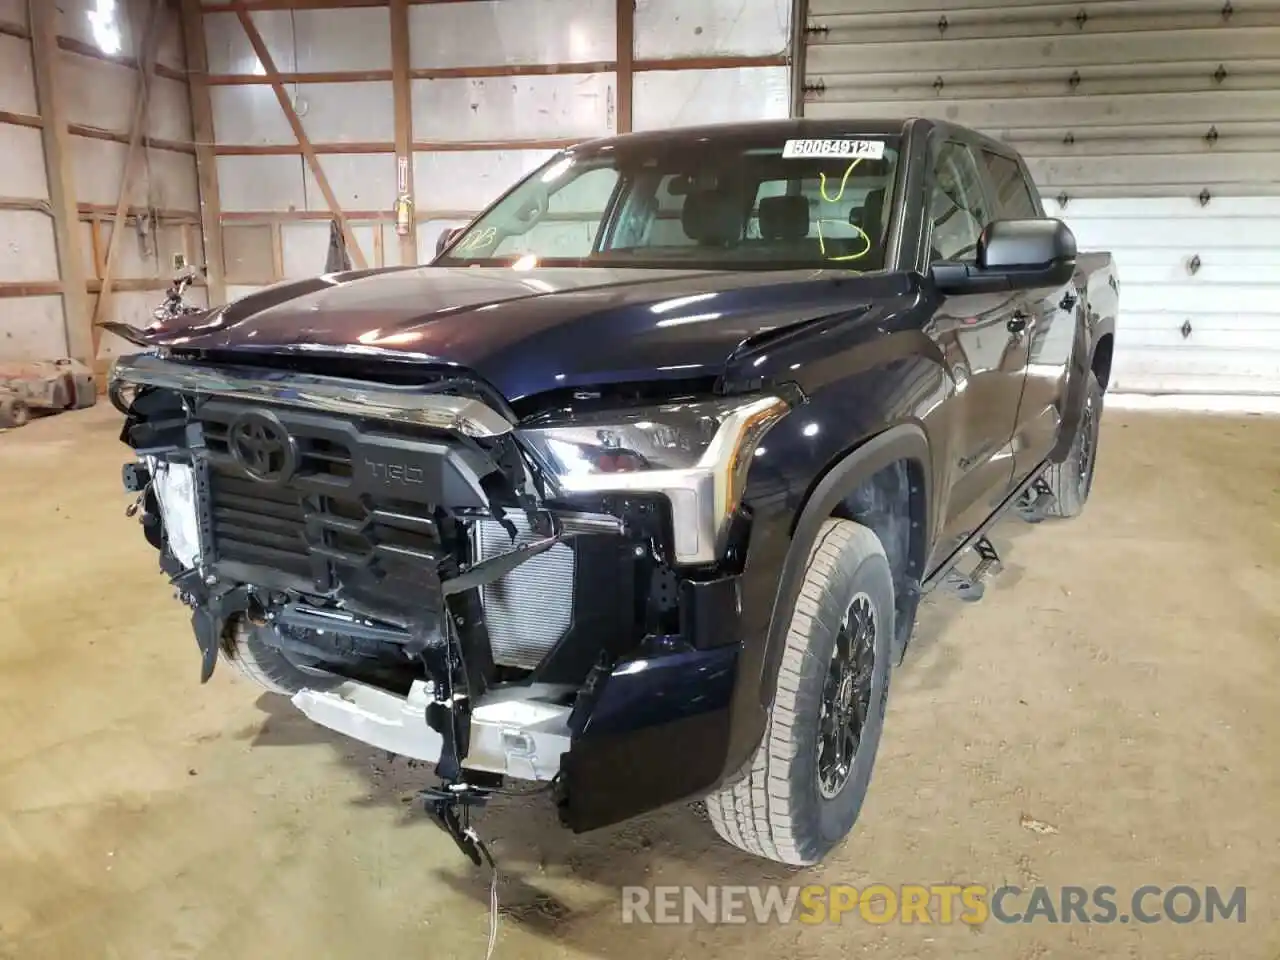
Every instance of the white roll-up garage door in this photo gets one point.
(1151, 126)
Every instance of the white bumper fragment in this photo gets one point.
(518, 738)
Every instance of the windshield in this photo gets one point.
(785, 204)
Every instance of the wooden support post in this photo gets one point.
(402, 92)
(62, 194)
(277, 85)
(95, 244)
(141, 97)
(277, 252)
(206, 159)
(626, 17)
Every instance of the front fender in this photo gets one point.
(781, 542)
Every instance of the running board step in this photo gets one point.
(971, 587)
(1034, 505)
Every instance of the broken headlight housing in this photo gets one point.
(696, 454)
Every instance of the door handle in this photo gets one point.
(1018, 322)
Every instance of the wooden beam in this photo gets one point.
(19, 119)
(62, 195)
(134, 154)
(97, 133)
(95, 244)
(626, 55)
(206, 160)
(269, 69)
(402, 93)
(229, 6)
(277, 252)
(72, 45)
(30, 288)
(385, 146)
(504, 70)
(711, 63)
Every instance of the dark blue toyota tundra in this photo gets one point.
(635, 489)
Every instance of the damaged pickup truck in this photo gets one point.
(635, 489)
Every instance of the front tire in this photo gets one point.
(267, 666)
(1071, 480)
(812, 769)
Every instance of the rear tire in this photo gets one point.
(269, 667)
(1071, 480)
(805, 789)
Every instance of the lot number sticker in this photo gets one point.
(870, 149)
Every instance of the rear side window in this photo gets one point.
(1013, 196)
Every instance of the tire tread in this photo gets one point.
(755, 814)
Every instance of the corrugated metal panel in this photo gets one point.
(330, 113)
(677, 28)
(359, 181)
(1150, 104)
(302, 41)
(17, 86)
(512, 32)
(32, 327)
(469, 180)
(22, 164)
(670, 98)
(15, 11)
(229, 47)
(261, 183)
(101, 94)
(73, 21)
(139, 257)
(515, 108)
(27, 251)
(305, 247)
(167, 179)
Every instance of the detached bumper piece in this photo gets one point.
(517, 738)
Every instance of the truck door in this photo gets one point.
(1046, 345)
(980, 336)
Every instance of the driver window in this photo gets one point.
(568, 226)
(957, 207)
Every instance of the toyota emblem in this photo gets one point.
(262, 447)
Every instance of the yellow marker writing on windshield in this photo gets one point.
(822, 183)
(822, 244)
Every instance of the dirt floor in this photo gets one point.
(1118, 686)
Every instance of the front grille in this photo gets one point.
(318, 456)
(257, 524)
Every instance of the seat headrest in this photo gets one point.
(784, 218)
(713, 217)
(870, 216)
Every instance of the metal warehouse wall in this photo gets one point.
(471, 93)
(90, 89)
(1151, 126)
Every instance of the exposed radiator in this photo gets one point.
(531, 608)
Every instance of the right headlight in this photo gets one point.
(695, 454)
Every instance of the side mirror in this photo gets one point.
(1013, 255)
(447, 237)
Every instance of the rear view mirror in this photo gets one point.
(1013, 255)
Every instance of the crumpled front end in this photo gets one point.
(453, 589)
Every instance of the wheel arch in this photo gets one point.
(861, 484)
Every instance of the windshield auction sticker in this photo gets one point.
(870, 149)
